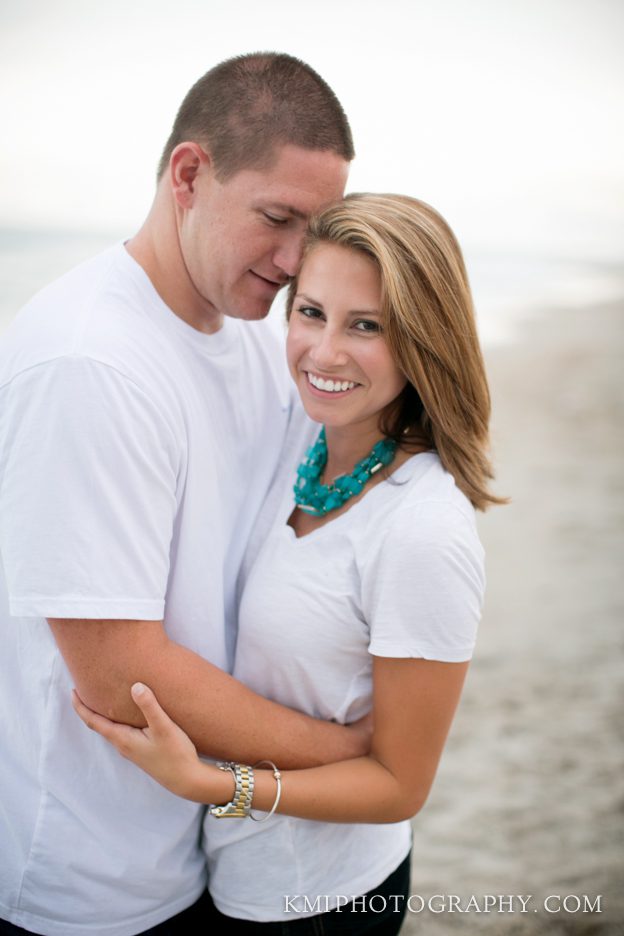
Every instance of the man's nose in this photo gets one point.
(288, 253)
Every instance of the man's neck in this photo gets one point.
(156, 248)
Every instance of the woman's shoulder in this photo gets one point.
(422, 507)
(421, 485)
(421, 567)
(430, 488)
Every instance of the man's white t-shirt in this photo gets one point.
(400, 574)
(135, 453)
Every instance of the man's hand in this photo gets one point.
(363, 730)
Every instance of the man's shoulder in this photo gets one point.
(96, 310)
(76, 288)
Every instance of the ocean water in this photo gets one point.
(510, 289)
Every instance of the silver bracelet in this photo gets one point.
(239, 806)
(278, 780)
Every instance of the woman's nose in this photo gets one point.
(328, 352)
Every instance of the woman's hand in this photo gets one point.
(363, 728)
(161, 749)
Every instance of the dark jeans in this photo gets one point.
(375, 914)
(382, 916)
(187, 923)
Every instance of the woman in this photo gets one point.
(357, 593)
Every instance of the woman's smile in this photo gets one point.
(329, 385)
(336, 349)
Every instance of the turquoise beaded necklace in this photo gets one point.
(319, 499)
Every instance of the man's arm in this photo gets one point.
(224, 718)
(88, 515)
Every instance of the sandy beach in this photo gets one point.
(529, 798)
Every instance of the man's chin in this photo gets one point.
(250, 313)
(250, 305)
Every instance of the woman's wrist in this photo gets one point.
(208, 784)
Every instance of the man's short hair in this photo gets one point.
(245, 107)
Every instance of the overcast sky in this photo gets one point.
(504, 114)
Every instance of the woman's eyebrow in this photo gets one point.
(352, 313)
(314, 302)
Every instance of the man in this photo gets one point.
(141, 423)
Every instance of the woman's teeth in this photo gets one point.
(331, 386)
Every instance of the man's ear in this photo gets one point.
(187, 160)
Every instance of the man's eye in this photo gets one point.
(367, 326)
(275, 219)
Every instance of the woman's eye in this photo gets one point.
(367, 326)
(309, 312)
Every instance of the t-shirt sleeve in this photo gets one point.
(88, 494)
(423, 584)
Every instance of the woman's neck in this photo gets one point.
(346, 446)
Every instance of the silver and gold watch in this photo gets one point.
(240, 804)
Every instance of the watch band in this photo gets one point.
(240, 804)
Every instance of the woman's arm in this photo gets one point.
(414, 703)
(225, 719)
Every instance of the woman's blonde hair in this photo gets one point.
(428, 322)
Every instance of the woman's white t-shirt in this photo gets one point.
(400, 574)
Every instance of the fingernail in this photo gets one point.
(138, 688)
